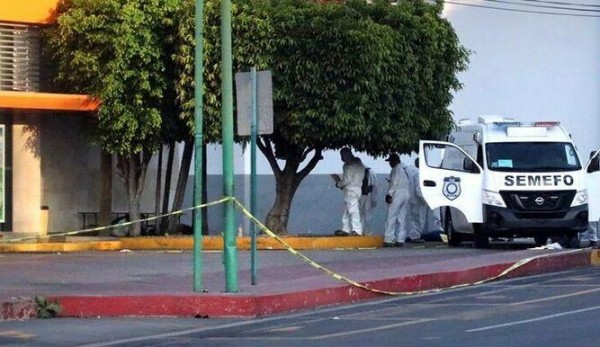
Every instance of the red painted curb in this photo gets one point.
(241, 305)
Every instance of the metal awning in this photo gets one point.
(47, 101)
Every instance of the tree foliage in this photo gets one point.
(251, 33)
(115, 51)
(376, 77)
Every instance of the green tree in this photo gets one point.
(115, 51)
(251, 33)
(377, 77)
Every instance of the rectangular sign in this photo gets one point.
(243, 89)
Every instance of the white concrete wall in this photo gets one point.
(71, 173)
(70, 170)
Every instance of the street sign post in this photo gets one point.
(264, 102)
(254, 116)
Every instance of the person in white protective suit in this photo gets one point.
(397, 199)
(368, 199)
(350, 182)
(418, 207)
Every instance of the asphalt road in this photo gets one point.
(557, 309)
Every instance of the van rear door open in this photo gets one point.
(450, 177)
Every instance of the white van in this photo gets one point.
(503, 178)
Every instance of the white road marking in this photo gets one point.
(327, 336)
(556, 297)
(360, 331)
(490, 327)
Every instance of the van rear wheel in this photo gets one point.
(480, 238)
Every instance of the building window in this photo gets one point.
(19, 57)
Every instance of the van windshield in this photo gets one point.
(532, 156)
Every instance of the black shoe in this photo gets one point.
(341, 233)
(388, 244)
(594, 244)
(354, 233)
(399, 244)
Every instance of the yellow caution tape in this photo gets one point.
(69, 233)
(290, 249)
(343, 278)
(295, 252)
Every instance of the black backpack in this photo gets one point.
(366, 188)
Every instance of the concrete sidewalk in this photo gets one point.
(159, 283)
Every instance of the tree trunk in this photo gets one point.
(132, 169)
(134, 214)
(164, 222)
(184, 173)
(277, 219)
(105, 212)
(287, 180)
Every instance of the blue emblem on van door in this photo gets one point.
(451, 188)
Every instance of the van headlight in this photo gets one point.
(580, 198)
(493, 198)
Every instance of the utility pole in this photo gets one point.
(198, 141)
(229, 236)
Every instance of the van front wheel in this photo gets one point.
(540, 240)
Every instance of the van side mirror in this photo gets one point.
(594, 165)
(469, 166)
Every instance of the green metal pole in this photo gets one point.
(253, 134)
(198, 141)
(229, 237)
